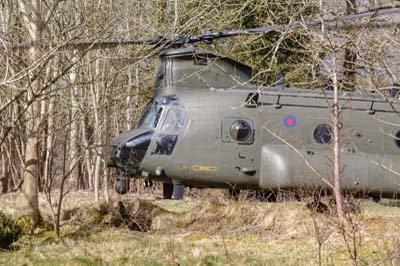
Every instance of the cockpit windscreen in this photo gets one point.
(150, 116)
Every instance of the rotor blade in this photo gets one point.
(379, 12)
(209, 36)
(78, 45)
(204, 37)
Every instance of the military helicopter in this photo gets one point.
(207, 127)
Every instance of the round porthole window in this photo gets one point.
(397, 139)
(240, 130)
(323, 134)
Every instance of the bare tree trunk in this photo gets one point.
(350, 55)
(95, 96)
(129, 100)
(6, 173)
(5, 164)
(73, 143)
(11, 151)
(176, 15)
(44, 116)
(41, 144)
(87, 155)
(97, 177)
(106, 174)
(137, 93)
(336, 144)
(30, 186)
(49, 141)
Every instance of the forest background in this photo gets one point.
(59, 107)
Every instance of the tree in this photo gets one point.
(32, 16)
(350, 55)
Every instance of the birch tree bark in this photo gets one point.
(73, 143)
(50, 131)
(33, 23)
(337, 187)
(95, 102)
(129, 100)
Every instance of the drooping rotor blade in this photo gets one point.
(79, 45)
(204, 37)
(209, 36)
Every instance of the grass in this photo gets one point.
(205, 230)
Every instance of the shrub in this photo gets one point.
(10, 231)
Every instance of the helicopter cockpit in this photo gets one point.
(132, 146)
(173, 122)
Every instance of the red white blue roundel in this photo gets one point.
(289, 121)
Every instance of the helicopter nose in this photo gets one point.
(129, 154)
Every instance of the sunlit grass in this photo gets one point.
(209, 230)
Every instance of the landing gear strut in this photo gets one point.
(167, 190)
(177, 190)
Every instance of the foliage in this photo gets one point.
(260, 52)
(268, 54)
(10, 231)
(25, 223)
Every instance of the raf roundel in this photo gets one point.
(289, 121)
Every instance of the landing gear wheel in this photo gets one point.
(376, 199)
(179, 191)
(167, 190)
(148, 183)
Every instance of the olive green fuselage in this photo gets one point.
(206, 155)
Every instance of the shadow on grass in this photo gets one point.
(390, 203)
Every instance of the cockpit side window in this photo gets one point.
(165, 144)
(180, 119)
(150, 116)
(158, 116)
(169, 122)
(174, 123)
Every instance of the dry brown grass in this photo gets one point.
(208, 229)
